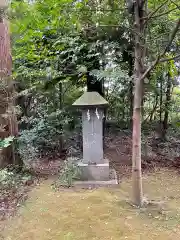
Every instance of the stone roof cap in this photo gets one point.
(90, 99)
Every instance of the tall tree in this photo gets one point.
(141, 17)
(8, 123)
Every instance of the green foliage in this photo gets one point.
(6, 142)
(44, 135)
(12, 179)
(59, 41)
(6, 177)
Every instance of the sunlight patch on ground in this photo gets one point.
(101, 214)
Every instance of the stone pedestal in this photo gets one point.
(97, 172)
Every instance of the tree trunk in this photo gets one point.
(167, 103)
(61, 140)
(138, 95)
(161, 101)
(136, 148)
(8, 119)
(131, 102)
(60, 96)
(140, 73)
(127, 57)
(154, 108)
(131, 85)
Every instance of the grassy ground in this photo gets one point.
(101, 214)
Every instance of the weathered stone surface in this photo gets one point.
(98, 172)
(111, 182)
(92, 136)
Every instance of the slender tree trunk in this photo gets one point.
(142, 106)
(131, 85)
(167, 103)
(131, 102)
(161, 101)
(60, 96)
(123, 110)
(140, 73)
(138, 95)
(61, 140)
(136, 149)
(154, 108)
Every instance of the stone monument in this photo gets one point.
(94, 167)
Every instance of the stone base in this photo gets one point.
(112, 181)
(94, 172)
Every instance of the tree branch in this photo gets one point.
(160, 15)
(157, 9)
(178, 6)
(165, 13)
(172, 37)
(164, 52)
(169, 59)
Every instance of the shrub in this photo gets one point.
(44, 136)
(69, 173)
(6, 142)
(9, 178)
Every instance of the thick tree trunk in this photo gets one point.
(8, 121)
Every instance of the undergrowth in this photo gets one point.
(69, 173)
(11, 178)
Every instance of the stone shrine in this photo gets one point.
(94, 167)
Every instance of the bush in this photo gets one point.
(69, 173)
(6, 142)
(6, 178)
(12, 179)
(45, 136)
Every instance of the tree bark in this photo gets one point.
(138, 92)
(7, 116)
(131, 102)
(136, 148)
(140, 73)
(167, 103)
(154, 108)
(131, 85)
(161, 101)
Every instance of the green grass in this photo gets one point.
(101, 214)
